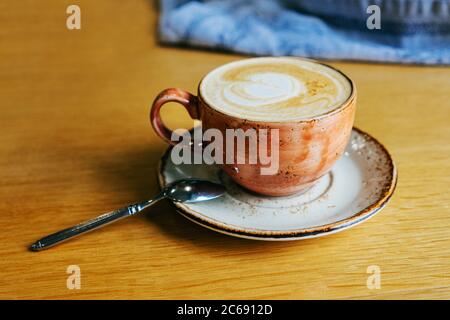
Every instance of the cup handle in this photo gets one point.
(188, 100)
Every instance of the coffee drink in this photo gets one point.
(305, 107)
(275, 89)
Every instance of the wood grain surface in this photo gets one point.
(76, 141)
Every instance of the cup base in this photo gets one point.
(272, 192)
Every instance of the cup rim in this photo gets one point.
(329, 113)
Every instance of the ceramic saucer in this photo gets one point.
(358, 186)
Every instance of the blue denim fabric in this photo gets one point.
(412, 31)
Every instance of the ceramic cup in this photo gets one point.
(307, 148)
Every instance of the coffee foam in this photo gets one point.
(275, 89)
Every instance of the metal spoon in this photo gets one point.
(187, 190)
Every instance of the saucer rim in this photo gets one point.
(293, 234)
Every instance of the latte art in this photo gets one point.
(264, 88)
(275, 89)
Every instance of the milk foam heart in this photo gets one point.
(275, 89)
(263, 88)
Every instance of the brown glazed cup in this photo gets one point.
(307, 148)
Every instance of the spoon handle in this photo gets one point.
(92, 224)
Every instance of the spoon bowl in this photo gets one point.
(193, 190)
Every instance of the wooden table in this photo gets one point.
(76, 142)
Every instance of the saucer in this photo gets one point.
(358, 186)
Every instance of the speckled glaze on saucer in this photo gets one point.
(358, 186)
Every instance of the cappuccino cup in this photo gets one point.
(310, 106)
